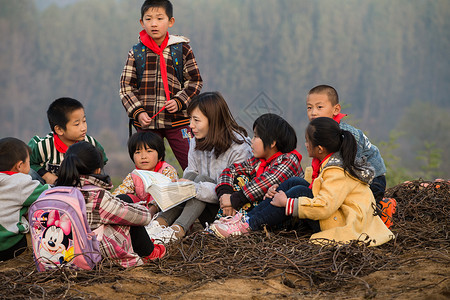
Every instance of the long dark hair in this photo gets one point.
(326, 132)
(222, 126)
(81, 158)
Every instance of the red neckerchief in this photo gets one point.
(339, 117)
(8, 172)
(157, 167)
(59, 145)
(316, 164)
(151, 44)
(264, 163)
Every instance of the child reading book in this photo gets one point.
(165, 193)
(147, 151)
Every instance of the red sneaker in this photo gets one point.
(158, 252)
(387, 208)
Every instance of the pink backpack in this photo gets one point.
(60, 233)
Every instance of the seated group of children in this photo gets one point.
(241, 184)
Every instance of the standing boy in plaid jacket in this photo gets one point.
(158, 100)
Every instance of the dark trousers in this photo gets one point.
(142, 244)
(296, 187)
(378, 187)
(267, 214)
(178, 139)
(15, 250)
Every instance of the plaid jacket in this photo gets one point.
(116, 216)
(280, 169)
(150, 97)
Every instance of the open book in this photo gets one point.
(166, 193)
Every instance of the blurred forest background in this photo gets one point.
(388, 60)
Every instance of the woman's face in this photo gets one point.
(199, 124)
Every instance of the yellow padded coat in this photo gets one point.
(344, 207)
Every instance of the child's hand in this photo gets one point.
(144, 119)
(172, 106)
(49, 178)
(225, 201)
(225, 205)
(228, 211)
(279, 199)
(271, 191)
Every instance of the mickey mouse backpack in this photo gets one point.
(60, 233)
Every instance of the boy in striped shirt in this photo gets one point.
(68, 124)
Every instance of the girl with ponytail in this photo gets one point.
(125, 239)
(340, 206)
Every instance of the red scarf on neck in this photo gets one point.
(59, 145)
(339, 117)
(157, 167)
(316, 164)
(151, 44)
(264, 163)
(8, 172)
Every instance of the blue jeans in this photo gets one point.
(296, 187)
(267, 214)
(378, 187)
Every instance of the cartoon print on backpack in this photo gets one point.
(55, 242)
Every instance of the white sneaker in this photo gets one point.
(153, 228)
(165, 236)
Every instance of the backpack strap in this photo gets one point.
(140, 56)
(176, 51)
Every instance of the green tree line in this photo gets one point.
(389, 61)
